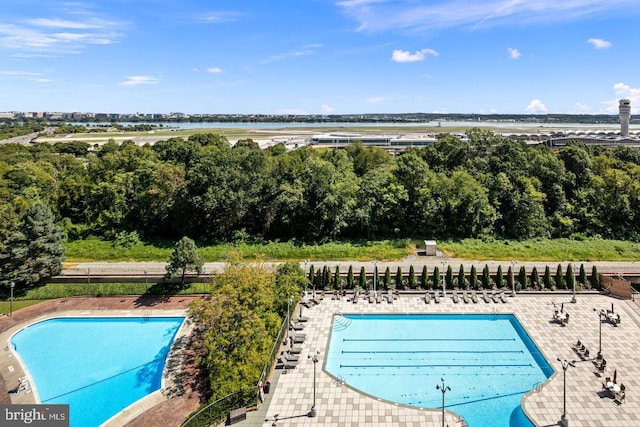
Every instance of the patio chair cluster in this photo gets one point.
(378, 297)
(613, 390)
(561, 317)
(581, 350)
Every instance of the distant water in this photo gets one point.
(430, 124)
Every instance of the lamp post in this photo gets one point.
(564, 420)
(306, 261)
(444, 390)
(288, 312)
(88, 281)
(601, 314)
(574, 270)
(12, 285)
(146, 281)
(513, 280)
(314, 358)
(375, 277)
(444, 286)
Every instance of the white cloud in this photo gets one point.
(214, 70)
(536, 106)
(411, 15)
(325, 109)
(219, 17)
(55, 36)
(140, 80)
(406, 56)
(599, 43)
(622, 90)
(41, 80)
(18, 73)
(514, 53)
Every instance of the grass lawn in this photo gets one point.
(386, 250)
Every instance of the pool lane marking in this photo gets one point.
(430, 351)
(425, 339)
(447, 365)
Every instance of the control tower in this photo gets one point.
(625, 113)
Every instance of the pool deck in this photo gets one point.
(291, 396)
(173, 386)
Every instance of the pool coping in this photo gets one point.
(12, 367)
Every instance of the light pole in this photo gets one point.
(573, 268)
(513, 281)
(314, 358)
(12, 285)
(306, 261)
(375, 277)
(444, 390)
(288, 315)
(444, 288)
(146, 282)
(88, 281)
(601, 314)
(564, 420)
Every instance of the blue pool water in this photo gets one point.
(489, 362)
(99, 366)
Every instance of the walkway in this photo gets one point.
(291, 394)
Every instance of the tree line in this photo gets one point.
(207, 189)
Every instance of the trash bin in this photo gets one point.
(266, 387)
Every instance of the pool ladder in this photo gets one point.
(340, 322)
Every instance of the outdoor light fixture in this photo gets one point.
(444, 390)
(314, 358)
(564, 420)
(513, 280)
(375, 277)
(601, 314)
(12, 285)
(444, 289)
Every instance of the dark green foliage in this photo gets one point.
(435, 278)
(473, 278)
(461, 280)
(398, 280)
(499, 277)
(594, 279)
(350, 279)
(411, 280)
(33, 251)
(325, 282)
(582, 276)
(311, 274)
(184, 258)
(337, 280)
(559, 278)
(535, 278)
(486, 277)
(546, 280)
(449, 277)
(387, 278)
(523, 281)
(362, 278)
(424, 278)
(569, 277)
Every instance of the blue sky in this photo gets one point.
(320, 56)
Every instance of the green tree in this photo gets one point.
(486, 277)
(184, 258)
(559, 278)
(33, 252)
(435, 277)
(350, 279)
(546, 280)
(387, 278)
(594, 279)
(499, 278)
(523, 282)
(411, 281)
(424, 278)
(449, 277)
(473, 278)
(535, 279)
(337, 280)
(461, 282)
(582, 276)
(362, 278)
(399, 281)
(569, 277)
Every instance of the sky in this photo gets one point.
(320, 56)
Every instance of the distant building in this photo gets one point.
(624, 109)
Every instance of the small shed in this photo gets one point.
(430, 248)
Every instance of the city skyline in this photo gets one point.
(320, 57)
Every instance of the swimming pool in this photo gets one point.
(99, 366)
(489, 362)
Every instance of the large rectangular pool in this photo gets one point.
(489, 361)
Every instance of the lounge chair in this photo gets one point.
(378, 299)
(601, 366)
(465, 297)
(301, 319)
(585, 355)
(494, 297)
(389, 297)
(286, 365)
(396, 294)
(288, 357)
(503, 298)
(371, 298)
(485, 297)
(578, 345)
(474, 297)
(295, 350)
(436, 297)
(298, 338)
(427, 297)
(454, 297)
(297, 326)
(355, 298)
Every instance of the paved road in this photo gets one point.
(24, 139)
(158, 268)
